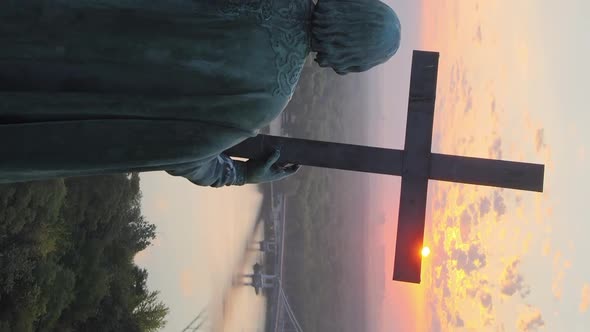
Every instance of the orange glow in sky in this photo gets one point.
(425, 252)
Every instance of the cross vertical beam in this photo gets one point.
(416, 167)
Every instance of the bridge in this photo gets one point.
(268, 281)
(196, 324)
(281, 316)
(285, 320)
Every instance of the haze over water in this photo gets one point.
(200, 246)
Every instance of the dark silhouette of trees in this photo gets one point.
(66, 257)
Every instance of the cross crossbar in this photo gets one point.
(416, 164)
(366, 159)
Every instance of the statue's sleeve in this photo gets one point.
(217, 171)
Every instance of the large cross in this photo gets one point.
(416, 164)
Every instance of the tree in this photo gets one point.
(141, 232)
(150, 313)
(66, 256)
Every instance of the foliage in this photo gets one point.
(66, 256)
(150, 313)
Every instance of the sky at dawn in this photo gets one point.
(512, 85)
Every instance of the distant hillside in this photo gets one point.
(325, 252)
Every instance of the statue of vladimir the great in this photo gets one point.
(93, 87)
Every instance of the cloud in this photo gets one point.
(540, 139)
(530, 320)
(441, 277)
(585, 303)
(499, 205)
(446, 291)
(469, 260)
(454, 77)
(547, 248)
(162, 204)
(142, 256)
(441, 201)
(495, 150)
(484, 206)
(460, 198)
(465, 225)
(483, 294)
(486, 300)
(468, 103)
(518, 200)
(186, 283)
(465, 85)
(581, 154)
(145, 255)
(556, 287)
(512, 281)
(478, 34)
(435, 324)
(559, 275)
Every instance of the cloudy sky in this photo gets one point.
(512, 85)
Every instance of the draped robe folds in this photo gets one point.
(93, 87)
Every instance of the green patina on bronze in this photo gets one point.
(104, 86)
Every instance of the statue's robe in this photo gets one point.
(92, 87)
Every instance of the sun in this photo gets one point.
(425, 252)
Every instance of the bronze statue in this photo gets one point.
(104, 86)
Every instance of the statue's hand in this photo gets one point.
(267, 170)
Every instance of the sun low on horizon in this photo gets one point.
(425, 252)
